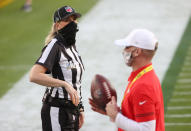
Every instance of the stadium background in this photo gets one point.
(21, 40)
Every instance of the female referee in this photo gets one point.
(62, 108)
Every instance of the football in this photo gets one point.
(102, 91)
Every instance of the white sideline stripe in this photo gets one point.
(189, 53)
(14, 67)
(186, 69)
(178, 107)
(105, 29)
(181, 93)
(188, 80)
(188, 58)
(184, 74)
(180, 100)
(178, 116)
(177, 124)
(183, 86)
(189, 48)
(187, 63)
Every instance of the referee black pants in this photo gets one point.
(59, 118)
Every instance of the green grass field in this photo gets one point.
(22, 35)
(177, 86)
(22, 38)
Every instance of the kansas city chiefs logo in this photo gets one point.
(68, 9)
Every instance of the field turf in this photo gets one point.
(177, 86)
(22, 38)
(22, 35)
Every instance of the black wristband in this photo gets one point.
(81, 107)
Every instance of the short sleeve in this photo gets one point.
(144, 105)
(49, 56)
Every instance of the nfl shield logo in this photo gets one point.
(68, 9)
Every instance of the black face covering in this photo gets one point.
(68, 33)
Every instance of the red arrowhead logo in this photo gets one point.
(68, 9)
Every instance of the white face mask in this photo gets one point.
(127, 57)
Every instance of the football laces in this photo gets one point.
(107, 90)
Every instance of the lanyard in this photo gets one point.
(149, 68)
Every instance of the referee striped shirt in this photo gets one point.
(63, 63)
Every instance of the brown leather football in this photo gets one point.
(102, 91)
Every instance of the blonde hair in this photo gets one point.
(51, 34)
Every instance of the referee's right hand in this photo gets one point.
(37, 75)
(73, 93)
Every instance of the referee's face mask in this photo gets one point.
(68, 32)
(128, 55)
(66, 24)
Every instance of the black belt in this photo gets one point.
(56, 102)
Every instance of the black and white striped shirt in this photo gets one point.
(63, 63)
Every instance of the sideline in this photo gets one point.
(109, 20)
(177, 124)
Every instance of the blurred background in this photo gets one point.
(22, 34)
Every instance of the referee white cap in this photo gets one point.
(141, 38)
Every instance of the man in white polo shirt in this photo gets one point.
(142, 108)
